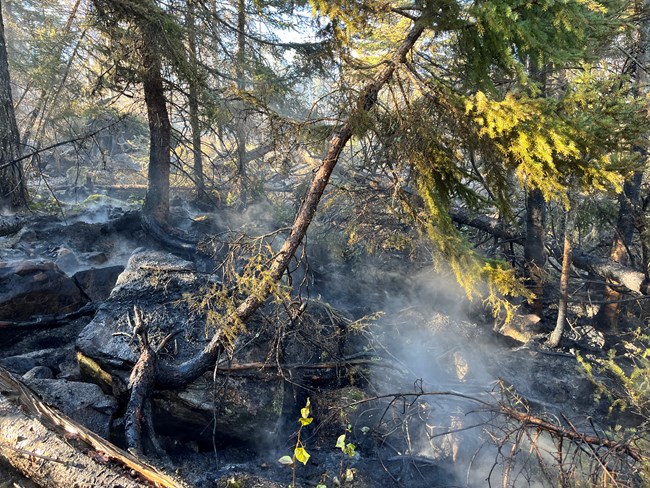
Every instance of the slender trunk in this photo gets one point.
(13, 189)
(156, 202)
(194, 106)
(569, 223)
(39, 112)
(173, 376)
(240, 130)
(534, 253)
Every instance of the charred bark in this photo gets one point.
(173, 376)
(607, 316)
(141, 383)
(534, 251)
(156, 202)
(13, 188)
(29, 427)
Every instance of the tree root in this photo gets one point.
(141, 384)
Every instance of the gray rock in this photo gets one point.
(83, 402)
(67, 260)
(97, 283)
(169, 292)
(39, 372)
(38, 287)
(19, 364)
(50, 358)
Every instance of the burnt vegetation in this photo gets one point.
(324, 243)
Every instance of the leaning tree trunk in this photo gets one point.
(556, 335)
(156, 204)
(172, 376)
(13, 190)
(534, 253)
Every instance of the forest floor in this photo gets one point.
(425, 410)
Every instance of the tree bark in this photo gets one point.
(156, 202)
(556, 335)
(173, 376)
(13, 188)
(37, 441)
(607, 316)
(534, 252)
(193, 101)
(629, 200)
(240, 129)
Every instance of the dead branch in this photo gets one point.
(141, 383)
(569, 433)
(51, 321)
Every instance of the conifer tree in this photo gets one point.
(13, 188)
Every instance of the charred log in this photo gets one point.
(29, 428)
(141, 384)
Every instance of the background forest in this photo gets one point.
(497, 147)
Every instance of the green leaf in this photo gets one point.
(340, 442)
(286, 460)
(305, 421)
(301, 455)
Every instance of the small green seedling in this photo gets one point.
(349, 450)
(299, 452)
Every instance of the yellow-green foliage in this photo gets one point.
(630, 390)
(539, 145)
(471, 270)
(216, 306)
(217, 303)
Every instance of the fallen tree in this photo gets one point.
(38, 441)
(631, 279)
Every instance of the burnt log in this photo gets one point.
(629, 278)
(486, 224)
(37, 441)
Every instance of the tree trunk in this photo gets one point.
(607, 316)
(629, 200)
(13, 189)
(194, 106)
(534, 253)
(240, 130)
(556, 335)
(38, 440)
(156, 202)
(173, 376)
